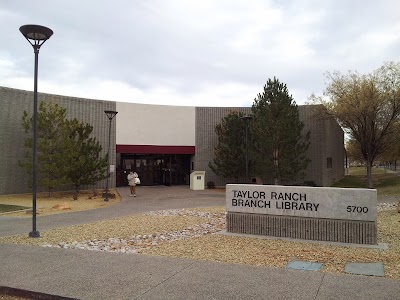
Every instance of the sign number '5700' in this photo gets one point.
(358, 209)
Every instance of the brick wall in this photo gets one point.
(14, 102)
(326, 137)
(326, 140)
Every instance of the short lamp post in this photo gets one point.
(110, 114)
(247, 120)
(36, 35)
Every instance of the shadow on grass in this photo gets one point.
(386, 184)
(351, 181)
(8, 208)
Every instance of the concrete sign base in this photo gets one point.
(344, 231)
(310, 213)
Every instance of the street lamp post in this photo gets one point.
(247, 120)
(110, 114)
(36, 35)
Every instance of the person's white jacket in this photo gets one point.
(131, 178)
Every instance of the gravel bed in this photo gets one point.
(129, 234)
(189, 233)
(10, 297)
(386, 206)
(211, 223)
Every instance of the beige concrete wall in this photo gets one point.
(145, 124)
(302, 201)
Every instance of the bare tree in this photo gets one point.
(367, 107)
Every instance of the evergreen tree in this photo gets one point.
(51, 159)
(86, 165)
(278, 146)
(229, 161)
(66, 152)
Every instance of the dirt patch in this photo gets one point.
(60, 202)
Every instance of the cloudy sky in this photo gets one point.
(200, 53)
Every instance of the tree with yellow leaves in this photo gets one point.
(367, 107)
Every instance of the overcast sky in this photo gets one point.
(194, 53)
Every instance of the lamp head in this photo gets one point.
(247, 118)
(36, 34)
(110, 114)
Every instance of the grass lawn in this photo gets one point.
(363, 171)
(8, 208)
(387, 184)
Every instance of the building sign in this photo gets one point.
(298, 201)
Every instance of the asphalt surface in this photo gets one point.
(83, 274)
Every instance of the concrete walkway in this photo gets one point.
(104, 275)
(148, 199)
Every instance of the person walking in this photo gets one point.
(132, 182)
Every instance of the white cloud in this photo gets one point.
(228, 94)
(204, 53)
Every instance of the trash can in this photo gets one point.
(256, 180)
(197, 180)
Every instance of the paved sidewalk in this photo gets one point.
(104, 275)
(149, 198)
(83, 274)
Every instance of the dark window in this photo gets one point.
(329, 162)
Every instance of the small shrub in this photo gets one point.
(211, 185)
(109, 194)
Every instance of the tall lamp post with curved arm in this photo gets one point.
(110, 115)
(36, 35)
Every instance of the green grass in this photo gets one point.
(7, 208)
(351, 181)
(387, 184)
(363, 171)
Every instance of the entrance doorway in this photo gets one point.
(153, 169)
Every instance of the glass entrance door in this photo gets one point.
(154, 169)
